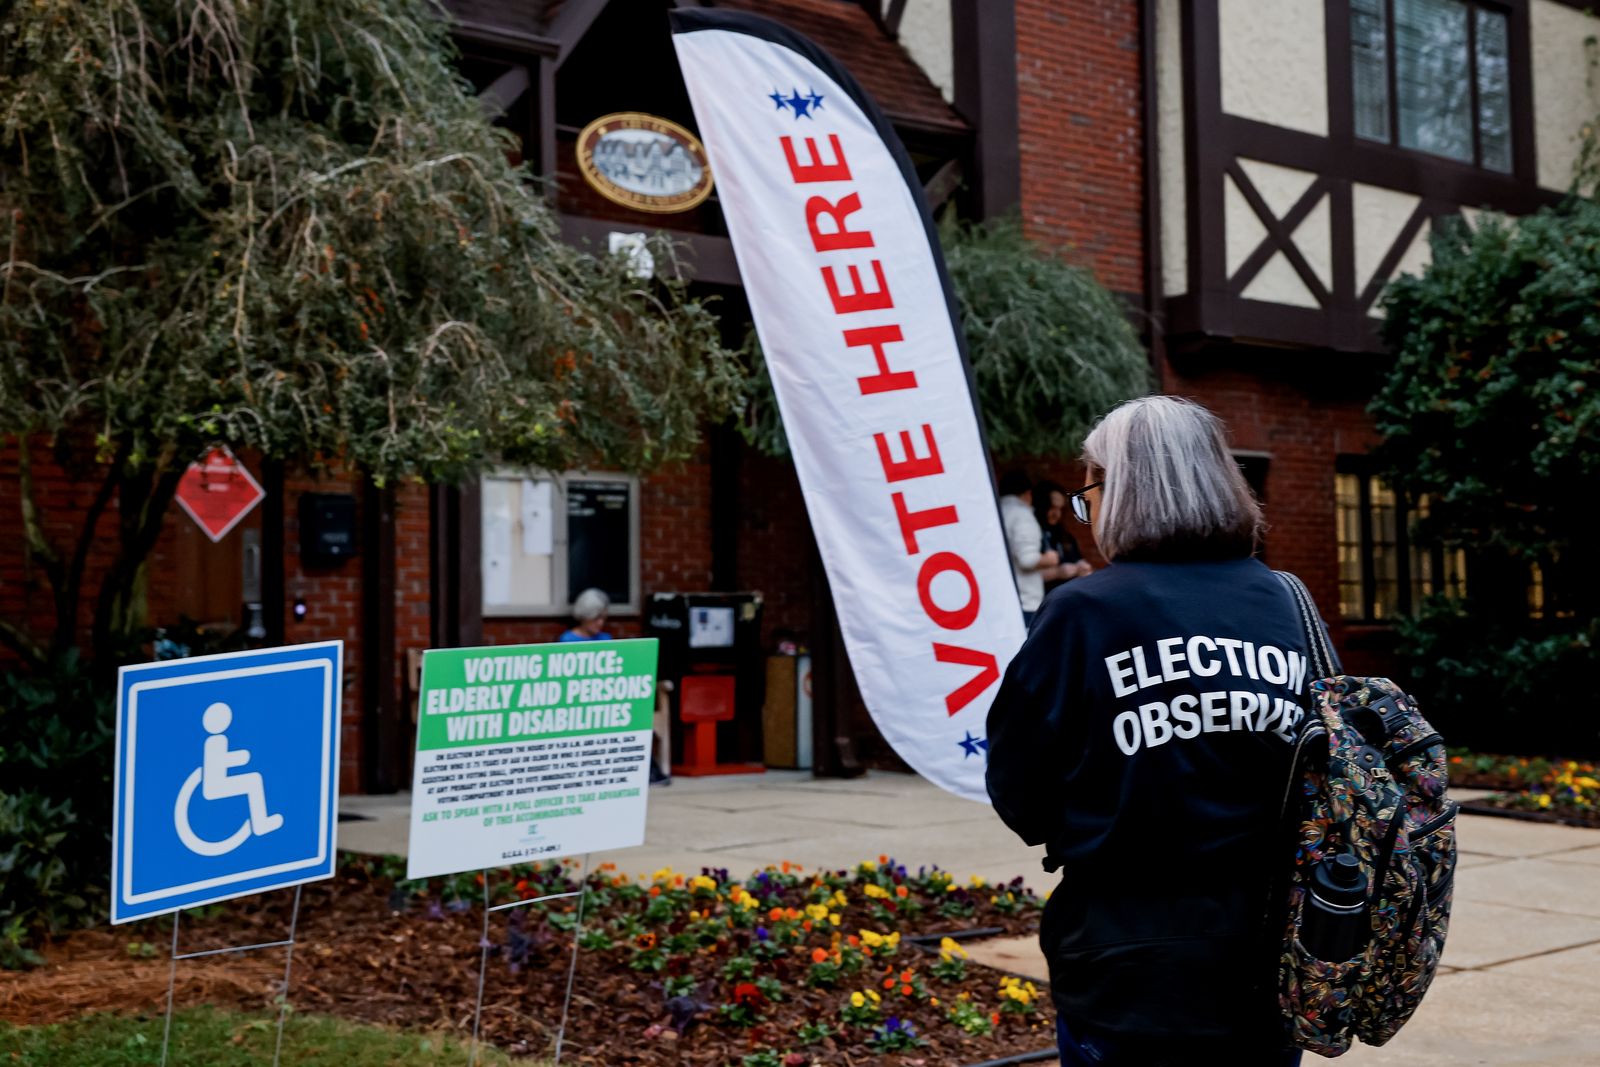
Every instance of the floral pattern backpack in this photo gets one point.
(1369, 777)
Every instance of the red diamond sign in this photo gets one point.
(217, 492)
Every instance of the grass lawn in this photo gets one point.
(212, 1038)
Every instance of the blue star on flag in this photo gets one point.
(973, 745)
(802, 105)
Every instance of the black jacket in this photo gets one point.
(1143, 734)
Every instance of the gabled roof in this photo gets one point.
(881, 64)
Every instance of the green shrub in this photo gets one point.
(55, 806)
(1490, 409)
(1502, 683)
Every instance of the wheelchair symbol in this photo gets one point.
(215, 782)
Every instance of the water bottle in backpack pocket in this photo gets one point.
(1367, 798)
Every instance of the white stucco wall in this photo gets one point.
(1171, 148)
(1280, 188)
(925, 31)
(1242, 231)
(1564, 88)
(1379, 215)
(1279, 283)
(1275, 62)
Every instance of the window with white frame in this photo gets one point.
(1434, 76)
(548, 537)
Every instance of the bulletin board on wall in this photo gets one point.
(547, 538)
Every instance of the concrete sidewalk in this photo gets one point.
(1520, 982)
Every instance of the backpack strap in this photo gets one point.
(1323, 662)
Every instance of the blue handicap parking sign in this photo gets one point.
(225, 776)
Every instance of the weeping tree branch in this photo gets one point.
(39, 548)
(67, 596)
(235, 224)
(144, 497)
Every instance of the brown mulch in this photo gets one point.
(358, 958)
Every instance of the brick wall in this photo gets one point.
(413, 624)
(25, 595)
(332, 597)
(1271, 405)
(775, 546)
(1079, 116)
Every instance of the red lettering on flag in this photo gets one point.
(913, 466)
(842, 236)
(914, 522)
(941, 563)
(858, 299)
(885, 381)
(816, 170)
(988, 673)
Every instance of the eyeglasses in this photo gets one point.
(1079, 502)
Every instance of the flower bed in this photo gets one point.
(1489, 770)
(1565, 791)
(783, 968)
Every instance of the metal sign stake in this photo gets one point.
(283, 998)
(483, 962)
(572, 966)
(483, 971)
(288, 964)
(172, 981)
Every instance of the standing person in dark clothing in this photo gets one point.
(1143, 734)
(1050, 508)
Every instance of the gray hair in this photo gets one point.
(1171, 488)
(591, 604)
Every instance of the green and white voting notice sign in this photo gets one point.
(530, 752)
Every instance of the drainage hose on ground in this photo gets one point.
(972, 934)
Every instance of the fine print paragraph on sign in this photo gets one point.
(530, 752)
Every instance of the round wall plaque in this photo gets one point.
(644, 162)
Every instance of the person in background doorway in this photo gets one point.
(589, 614)
(1050, 508)
(1023, 538)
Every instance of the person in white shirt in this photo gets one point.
(1024, 538)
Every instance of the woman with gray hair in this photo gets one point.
(589, 613)
(1143, 734)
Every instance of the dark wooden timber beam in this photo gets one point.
(384, 722)
(985, 35)
(891, 17)
(501, 38)
(942, 186)
(504, 91)
(572, 22)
